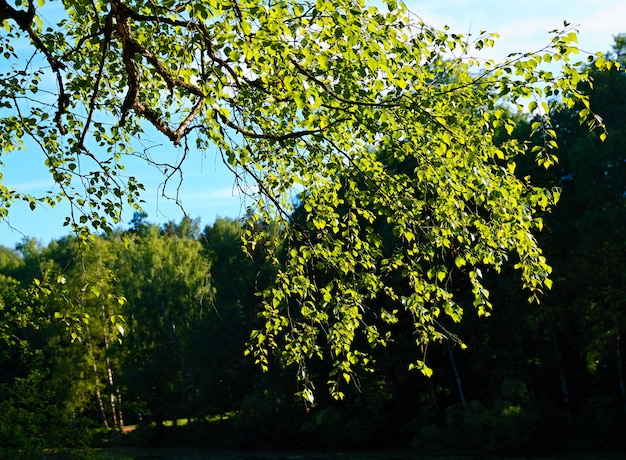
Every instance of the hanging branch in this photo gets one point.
(108, 30)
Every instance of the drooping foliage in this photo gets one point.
(318, 96)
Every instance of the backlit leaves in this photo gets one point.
(382, 126)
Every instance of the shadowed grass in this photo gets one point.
(197, 454)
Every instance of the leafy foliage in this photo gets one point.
(312, 97)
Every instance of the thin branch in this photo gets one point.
(157, 121)
(129, 12)
(24, 19)
(184, 126)
(169, 80)
(62, 105)
(266, 193)
(274, 137)
(336, 96)
(108, 29)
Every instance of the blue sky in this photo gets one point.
(208, 191)
(523, 25)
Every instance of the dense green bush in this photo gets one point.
(32, 422)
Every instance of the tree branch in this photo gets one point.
(123, 27)
(336, 96)
(130, 48)
(108, 30)
(24, 20)
(157, 121)
(274, 137)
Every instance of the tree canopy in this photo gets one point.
(382, 127)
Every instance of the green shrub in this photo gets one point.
(32, 423)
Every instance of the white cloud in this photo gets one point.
(524, 25)
(32, 186)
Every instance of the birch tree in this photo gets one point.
(293, 95)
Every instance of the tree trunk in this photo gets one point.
(563, 375)
(115, 410)
(116, 407)
(115, 399)
(119, 407)
(620, 372)
(101, 410)
(457, 377)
